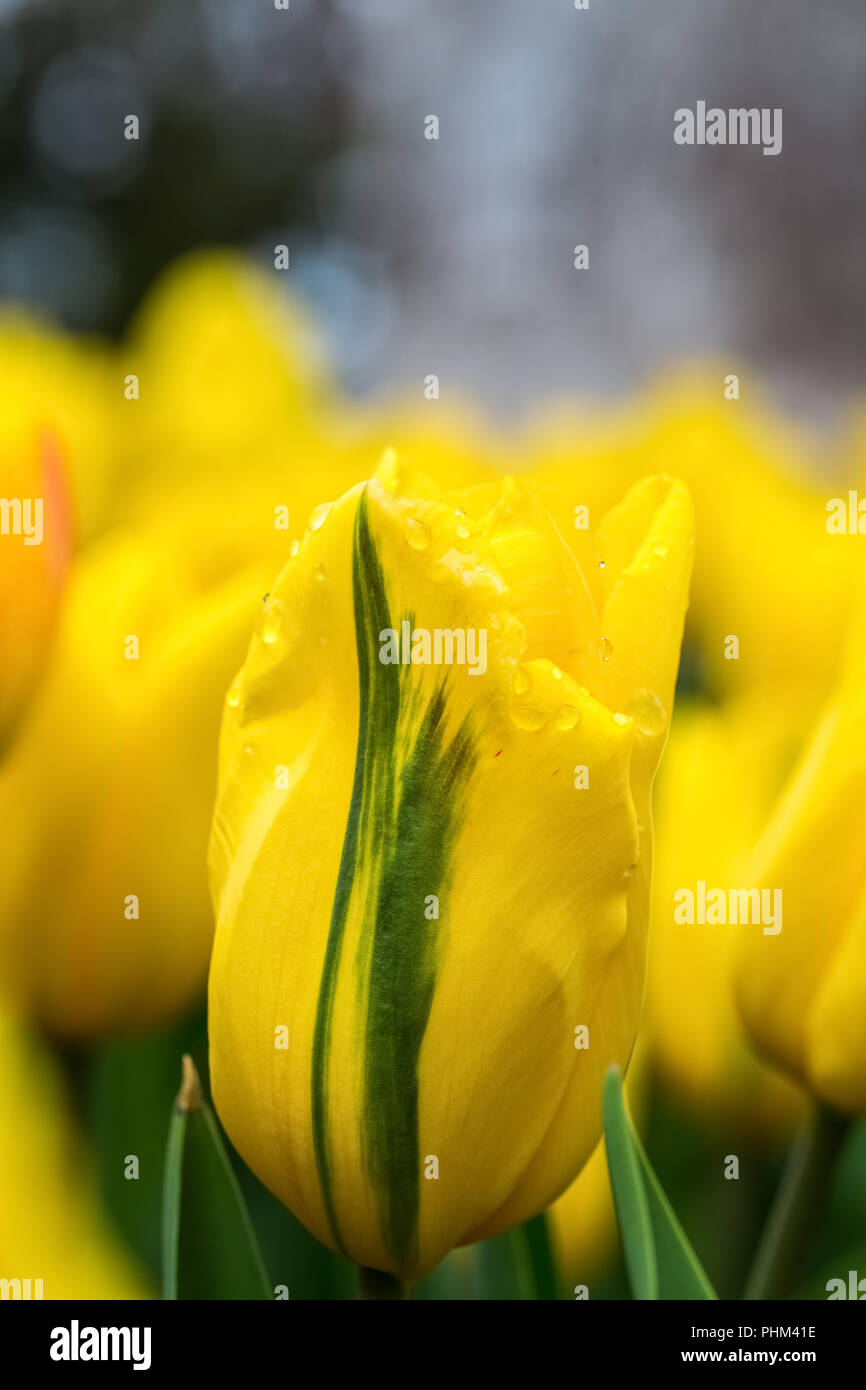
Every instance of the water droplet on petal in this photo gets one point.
(522, 681)
(601, 564)
(567, 716)
(606, 648)
(528, 716)
(319, 515)
(233, 698)
(648, 713)
(463, 531)
(621, 719)
(295, 549)
(417, 534)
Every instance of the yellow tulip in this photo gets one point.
(420, 905)
(51, 1226)
(106, 795)
(766, 570)
(723, 768)
(802, 993)
(234, 390)
(226, 369)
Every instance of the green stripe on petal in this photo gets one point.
(403, 966)
(369, 599)
(403, 822)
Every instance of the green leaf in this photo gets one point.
(537, 1232)
(659, 1259)
(209, 1245)
(629, 1192)
(680, 1272)
(126, 1083)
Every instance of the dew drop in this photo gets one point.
(647, 711)
(295, 550)
(601, 564)
(233, 698)
(463, 530)
(606, 648)
(528, 716)
(522, 681)
(319, 515)
(417, 534)
(567, 716)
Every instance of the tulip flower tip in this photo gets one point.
(189, 1097)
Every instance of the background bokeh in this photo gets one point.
(305, 127)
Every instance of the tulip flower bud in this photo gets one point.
(767, 573)
(430, 855)
(802, 991)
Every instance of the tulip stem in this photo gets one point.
(797, 1203)
(374, 1283)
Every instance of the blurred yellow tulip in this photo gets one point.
(105, 797)
(51, 1227)
(722, 769)
(428, 885)
(226, 379)
(233, 388)
(766, 570)
(802, 993)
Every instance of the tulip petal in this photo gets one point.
(835, 1029)
(814, 851)
(431, 906)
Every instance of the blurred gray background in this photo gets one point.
(261, 126)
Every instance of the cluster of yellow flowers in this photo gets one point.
(180, 471)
